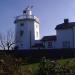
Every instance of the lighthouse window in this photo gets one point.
(36, 26)
(21, 33)
(36, 34)
(22, 24)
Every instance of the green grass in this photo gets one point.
(33, 67)
(70, 61)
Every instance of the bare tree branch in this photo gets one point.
(2, 41)
(6, 42)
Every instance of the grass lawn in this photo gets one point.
(70, 62)
(30, 67)
(25, 68)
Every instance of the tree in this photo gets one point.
(7, 41)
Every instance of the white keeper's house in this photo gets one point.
(27, 34)
(64, 38)
(65, 34)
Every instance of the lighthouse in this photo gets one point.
(26, 29)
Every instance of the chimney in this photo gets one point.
(66, 21)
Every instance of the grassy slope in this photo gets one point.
(63, 62)
(30, 67)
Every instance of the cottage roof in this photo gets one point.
(65, 25)
(49, 38)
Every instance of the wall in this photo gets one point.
(45, 43)
(29, 36)
(36, 30)
(64, 35)
(28, 29)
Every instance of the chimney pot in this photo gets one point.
(66, 21)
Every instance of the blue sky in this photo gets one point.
(50, 13)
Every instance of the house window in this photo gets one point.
(36, 34)
(50, 45)
(21, 44)
(66, 44)
(22, 24)
(21, 33)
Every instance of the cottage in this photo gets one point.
(65, 33)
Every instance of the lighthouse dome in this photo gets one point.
(27, 14)
(28, 11)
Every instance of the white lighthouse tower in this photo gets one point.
(26, 29)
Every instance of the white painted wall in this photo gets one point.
(45, 43)
(36, 31)
(29, 31)
(30, 28)
(64, 35)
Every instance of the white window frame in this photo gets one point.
(66, 44)
(50, 44)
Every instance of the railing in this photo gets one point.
(27, 17)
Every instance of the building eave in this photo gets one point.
(49, 38)
(65, 26)
(19, 20)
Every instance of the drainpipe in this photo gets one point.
(73, 36)
(30, 39)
